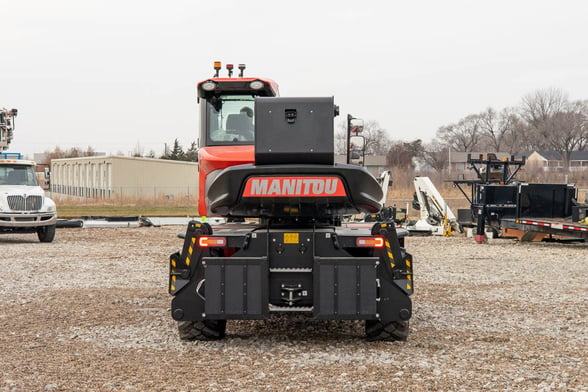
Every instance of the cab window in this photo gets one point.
(17, 175)
(230, 120)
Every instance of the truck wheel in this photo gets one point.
(395, 330)
(202, 330)
(46, 233)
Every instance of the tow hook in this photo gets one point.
(291, 293)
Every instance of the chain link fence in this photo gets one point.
(164, 194)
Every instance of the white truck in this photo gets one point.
(24, 208)
(23, 205)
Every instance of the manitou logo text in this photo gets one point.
(293, 187)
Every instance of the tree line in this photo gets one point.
(545, 120)
(176, 153)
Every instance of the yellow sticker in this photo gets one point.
(291, 238)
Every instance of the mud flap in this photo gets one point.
(345, 288)
(236, 287)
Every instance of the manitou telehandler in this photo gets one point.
(267, 165)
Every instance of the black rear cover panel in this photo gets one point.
(294, 130)
(236, 287)
(345, 288)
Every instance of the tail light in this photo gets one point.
(212, 242)
(369, 242)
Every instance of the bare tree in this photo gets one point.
(497, 130)
(569, 128)
(582, 108)
(73, 152)
(545, 120)
(401, 154)
(539, 106)
(538, 110)
(518, 136)
(436, 155)
(557, 124)
(377, 141)
(341, 139)
(463, 136)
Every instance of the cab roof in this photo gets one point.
(23, 162)
(237, 86)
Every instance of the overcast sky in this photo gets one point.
(120, 75)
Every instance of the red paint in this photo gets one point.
(218, 158)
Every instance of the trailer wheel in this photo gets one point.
(395, 330)
(46, 233)
(202, 330)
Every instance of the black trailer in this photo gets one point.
(548, 208)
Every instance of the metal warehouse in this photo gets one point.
(124, 177)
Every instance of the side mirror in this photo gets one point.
(356, 125)
(358, 142)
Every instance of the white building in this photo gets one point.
(109, 177)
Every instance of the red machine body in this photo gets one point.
(221, 101)
(217, 158)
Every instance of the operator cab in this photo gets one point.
(227, 107)
(227, 128)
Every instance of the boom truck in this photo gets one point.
(24, 208)
(266, 164)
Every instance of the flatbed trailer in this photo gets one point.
(547, 226)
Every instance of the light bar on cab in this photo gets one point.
(212, 242)
(256, 85)
(209, 85)
(369, 242)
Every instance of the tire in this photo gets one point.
(202, 330)
(393, 331)
(46, 233)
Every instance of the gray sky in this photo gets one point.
(121, 75)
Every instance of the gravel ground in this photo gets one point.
(90, 312)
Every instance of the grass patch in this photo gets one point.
(79, 210)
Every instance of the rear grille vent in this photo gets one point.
(21, 203)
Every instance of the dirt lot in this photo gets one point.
(90, 312)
